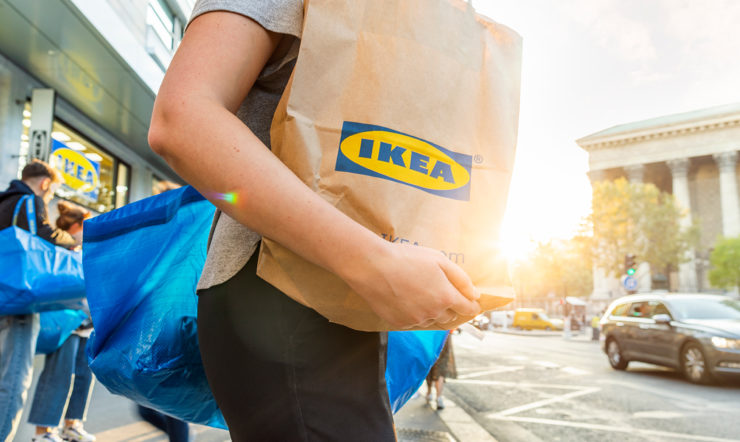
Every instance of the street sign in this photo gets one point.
(629, 283)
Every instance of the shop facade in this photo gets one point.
(71, 95)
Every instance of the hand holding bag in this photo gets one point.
(403, 114)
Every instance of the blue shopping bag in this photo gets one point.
(56, 327)
(142, 263)
(411, 354)
(36, 274)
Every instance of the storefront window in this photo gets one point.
(89, 172)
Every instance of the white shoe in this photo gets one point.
(47, 437)
(76, 433)
(440, 403)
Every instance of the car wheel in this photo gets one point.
(694, 364)
(517, 328)
(548, 328)
(616, 359)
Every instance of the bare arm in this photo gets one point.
(194, 128)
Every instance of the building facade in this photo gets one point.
(78, 80)
(692, 155)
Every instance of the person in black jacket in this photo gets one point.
(18, 333)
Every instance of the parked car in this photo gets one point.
(481, 322)
(696, 334)
(502, 318)
(535, 319)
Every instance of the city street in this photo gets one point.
(529, 388)
(517, 387)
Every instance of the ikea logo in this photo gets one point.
(380, 152)
(79, 173)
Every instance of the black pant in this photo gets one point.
(177, 430)
(280, 371)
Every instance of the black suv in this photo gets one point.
(697, 334)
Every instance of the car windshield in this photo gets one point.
(705, 308)
(543, 317)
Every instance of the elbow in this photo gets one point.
(158, 130)
(167, 126)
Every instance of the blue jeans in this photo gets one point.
(17, 347)
(61, 368)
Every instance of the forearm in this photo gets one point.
(216, 153)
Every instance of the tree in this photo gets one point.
(632, 218)
(725, 259)
(560, 267)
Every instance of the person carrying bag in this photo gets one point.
(31, 254)
(279, 366)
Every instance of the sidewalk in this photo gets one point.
(417, 421)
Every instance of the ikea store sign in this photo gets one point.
(80, 173)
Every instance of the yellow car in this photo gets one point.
(535, 319)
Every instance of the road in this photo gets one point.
(531, 388)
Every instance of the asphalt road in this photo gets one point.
(531, 388)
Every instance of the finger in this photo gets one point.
(459, 279)
(464, 306)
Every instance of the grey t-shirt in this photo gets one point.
(232, 244)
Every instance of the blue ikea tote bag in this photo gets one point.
(36, 274)
(56, 327)
(142, 263)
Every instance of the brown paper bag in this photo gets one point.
(403, 114)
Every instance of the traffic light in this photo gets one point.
(630, 265)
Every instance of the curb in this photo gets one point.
(544, 334)
(418, 435)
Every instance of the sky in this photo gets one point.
(592, 64)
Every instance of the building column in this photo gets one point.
(635, 173)
(680, 171)
(726, 162)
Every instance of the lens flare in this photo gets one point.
(229, 197)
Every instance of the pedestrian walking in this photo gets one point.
(18, 333)
(279, 370)
(66, 380)
(595, 327)
(442, 369)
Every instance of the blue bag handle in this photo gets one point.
(30, 212)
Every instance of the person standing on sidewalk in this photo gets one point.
(65, 369)
(279, 370)
(444, 368)
(18, 333)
